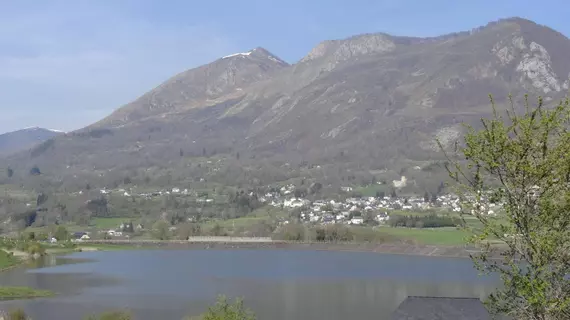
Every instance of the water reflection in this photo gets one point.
(275, 284)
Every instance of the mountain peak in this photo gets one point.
(11, 142)
(201, 86)
(257, 52)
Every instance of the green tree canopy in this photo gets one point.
(522, 160)
(224, 310)
(160, 230)
(61, 233)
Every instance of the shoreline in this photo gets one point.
(385, 248)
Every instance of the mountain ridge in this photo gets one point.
(360, 106)
(22, 139)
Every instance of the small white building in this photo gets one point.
(357, 220)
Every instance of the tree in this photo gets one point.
(300, 192)
(315, 187)
(9, 172)
(433, 198)
(441, 186)
(523, 160)
(41, 199)
(393, 194)
(61, 233)
(426, 197)
(128, 227)
(160, 230)
(223, 310)
(217, 230)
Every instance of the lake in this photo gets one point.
(275, 284)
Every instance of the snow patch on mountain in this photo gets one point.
(237, 54)
(38, 128)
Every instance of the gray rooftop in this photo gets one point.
(434, 308)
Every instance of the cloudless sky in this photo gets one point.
(66, 64)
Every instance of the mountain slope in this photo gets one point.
(201, 86)
(359, 105)
(23, 139)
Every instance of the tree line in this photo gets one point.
(429, 221)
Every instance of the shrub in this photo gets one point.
(431, 221)
(112, 315)
(223, 310)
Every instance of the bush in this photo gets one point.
(290, 232)
(370, 235)
(112, 315)
(17, 314)
(223, 310)
(431, 221)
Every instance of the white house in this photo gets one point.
(357, 220)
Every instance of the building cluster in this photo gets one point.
(357, 210)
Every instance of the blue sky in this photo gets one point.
(66, 64)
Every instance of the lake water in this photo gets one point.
(275, 284)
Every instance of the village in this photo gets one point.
(351, 210)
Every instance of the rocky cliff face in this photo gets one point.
(365, 103)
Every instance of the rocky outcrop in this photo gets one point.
(536, 66)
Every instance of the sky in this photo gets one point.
(67, 64)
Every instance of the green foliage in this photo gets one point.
(7, 259)
(112, 315)
(33, 248)
(527, 155)
(61, 234)
(334, 233)
(224, 310)
(217, 230)
(13, 293)
(160, 230)
(329, 233)
(430, 221)
(292, 232)
(17, 314)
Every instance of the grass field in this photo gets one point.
(238, 223)
(13, 293)
(109, 223)
(259, 215)
(436, 236)
(370, 191)
(71, 227)
(7, 260)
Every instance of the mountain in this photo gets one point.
(23, 139)
(352, 111)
